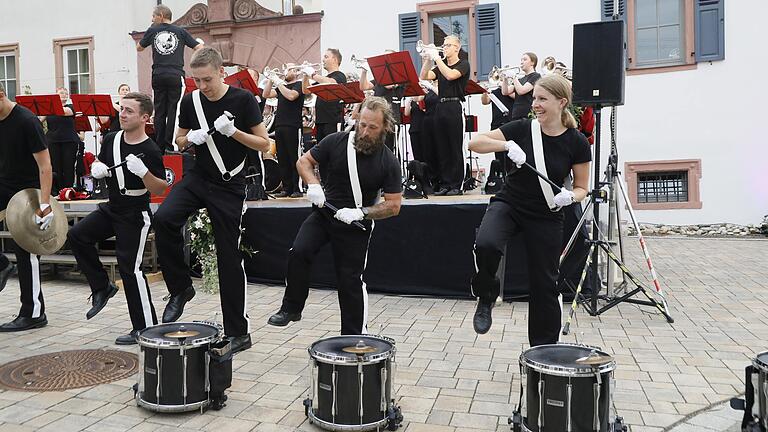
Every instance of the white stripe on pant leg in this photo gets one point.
(34, 261)
(242, 266)
(141, 284)
(560, 303)
(477, 270)
(364, 290)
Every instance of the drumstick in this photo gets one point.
(514, 168)
(211, 131)
(140, 155)
(333, 208)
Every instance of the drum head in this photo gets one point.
(163, 334)
(333, 347)
(562, 357)
(761, 361)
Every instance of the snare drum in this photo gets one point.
(272, 180)
(174, 363)
(351, 383)
(560, 394)
(760, 364)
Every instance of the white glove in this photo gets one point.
(136, 165)
(349, 215)
(99, 170)
(315, 194)
(225, 125)
(308, 71)
(276, 80)
(515, 153)
(564, 198)
(197, 136)
(433, 54)
(44, 221)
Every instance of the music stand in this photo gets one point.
(242, 80)
(393, 68)
(338, 92)
(82, 124)
(97, 105)
(189, 85)
(472, 88)
(42, 105)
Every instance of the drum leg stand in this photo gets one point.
(516, 421)
(394, 416)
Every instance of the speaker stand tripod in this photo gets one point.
(598, 243)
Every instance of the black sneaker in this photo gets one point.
(239, 343)
(282, 318)
(128, 339)
(175, 306)
(483, 319)
(99, 300)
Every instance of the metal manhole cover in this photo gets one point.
(67, 370)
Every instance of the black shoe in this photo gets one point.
(282, 318)
(128, 339)
(24, 323)
(483, 319)
(281, 194)
(99, 300)
(454, 192)
(175, 306)
(297, 195)
(442, 192)
(239, 343)
(5, 274)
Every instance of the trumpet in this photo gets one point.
(274, 75)
(497, 74)
(358, 63)
(423, 48)
(300, 67)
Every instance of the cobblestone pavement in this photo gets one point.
(448, 378)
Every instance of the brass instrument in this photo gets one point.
(498, 74)
(318, 67)
(275, 75)
(423, 48)
(358, 63)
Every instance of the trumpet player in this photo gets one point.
(521, 88)
(452, 75)
(499, 117)
(287, 126)
(391, 93)
(328, 115)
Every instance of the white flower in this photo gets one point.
(198, 224)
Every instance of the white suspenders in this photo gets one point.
(354, 179)
(225, 175)
(119, 174)
(538, 156)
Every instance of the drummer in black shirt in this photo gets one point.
(287, 126)
(354, 188)
(328, 115)
(62, 143)
(126, 215)
(452, 76)
(216, 183)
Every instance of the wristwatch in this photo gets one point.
(365, 212)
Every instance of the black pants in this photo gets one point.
(130, 229)
(287, 139)
(224, 203)
(63, 157)
(349, 245)
(417, 145)
(28, 267)
(323, 130)
(448, 141)
(167, 92)
(542, 235)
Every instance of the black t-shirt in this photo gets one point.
(417, 117)
(391, 95)
(62, 128)
(523, 103)
(239, 103)
(455, 88)
(522, 188)
(497, 118)
(377, 171)
(330, 112)
(289, 111)
(21, 135)
(168, 43)
(153, 159)
(430, 102)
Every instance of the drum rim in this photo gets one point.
(763, 366)
(156, 407)
(340, 360)
(566, 371)
(190, 343)
(324, 424)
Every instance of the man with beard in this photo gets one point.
(340, 157)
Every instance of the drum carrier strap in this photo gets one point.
(225, 175)
(354, 179)
(119, 173)
(538, 156)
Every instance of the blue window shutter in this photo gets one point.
(410, 33)
(488, 39)
(709, 16)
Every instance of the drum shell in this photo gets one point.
(348, 392)
(760, 363)
(272, 180)
(173, 373)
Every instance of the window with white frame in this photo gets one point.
(76, 64)
(8, 73)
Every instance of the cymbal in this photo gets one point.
(359, 348)
(178, 334)
(594, 359)
(20, 218)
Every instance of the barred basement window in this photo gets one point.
(657, 187)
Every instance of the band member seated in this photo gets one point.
(522, 206)
(521, 89)
(287, 126)
(216, 183)
(24, 163)
(352, 186)
(126, 215)
(452, 75)
(328, 115)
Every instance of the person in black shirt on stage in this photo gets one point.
(126, 215)
(114, 119)
(24, 163)
(328, 115)
(522, 206)
(354, 188)
(414, 111)
(498, 117)
(452, 76)
(391, 93)
(287, 125)
(216, 183)
(521, 89)
(62, 143)
(168, 43)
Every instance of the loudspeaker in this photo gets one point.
(598, 63)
